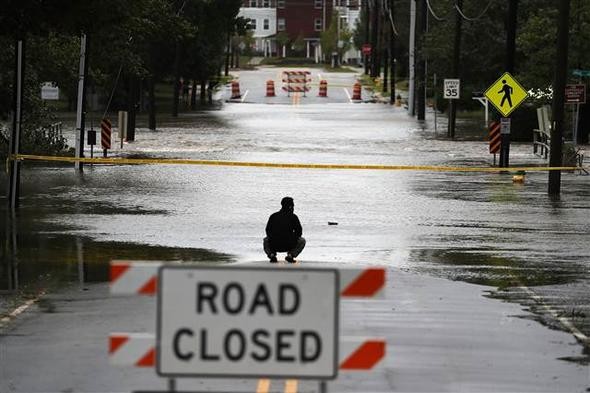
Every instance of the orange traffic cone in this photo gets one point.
(270, 88)
(356, 92)
(235, 90)
(323, 88)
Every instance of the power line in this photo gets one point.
(438, 18)
(476, 18)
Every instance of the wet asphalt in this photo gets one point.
(479, 228)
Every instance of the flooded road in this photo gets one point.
(475, 227)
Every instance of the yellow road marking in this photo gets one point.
(263, 386)
(174, 161)
(291, 386)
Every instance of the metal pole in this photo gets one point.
(555, 158)
(412, 60)
(81, 103)
(435, 106)
(14, 146)
(323, 387)
(171, 385)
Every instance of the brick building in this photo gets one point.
(297, 18)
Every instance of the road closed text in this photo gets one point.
(221, 321)
(286, 345)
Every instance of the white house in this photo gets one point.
(263, 21)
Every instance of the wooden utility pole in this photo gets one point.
(511, 34)
(421, 61)
(555, 155)
(456, 61)
(81, 109)
(17, 117)
(374, 39)
(367, 35)
(392, 52)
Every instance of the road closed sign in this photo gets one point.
(247, 322)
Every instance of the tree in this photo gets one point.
(283, 40)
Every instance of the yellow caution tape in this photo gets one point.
(175, 161)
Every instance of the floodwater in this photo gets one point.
(475, 227)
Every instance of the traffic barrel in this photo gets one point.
(323, 88)
(356, 92)
(235, 90)
(270, 88)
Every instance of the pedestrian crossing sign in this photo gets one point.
(506, 94)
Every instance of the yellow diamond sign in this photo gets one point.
(506, 94)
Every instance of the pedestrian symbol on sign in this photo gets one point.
(507, 90)
(506, 94)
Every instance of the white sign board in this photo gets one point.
(505, 125)
(216, 321)
(49, 91)
(452, 89)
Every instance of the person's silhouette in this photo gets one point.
(507, 90)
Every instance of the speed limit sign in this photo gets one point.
(452, 89)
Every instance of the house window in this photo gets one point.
(266, 3)
(281, 24)
(253, 24)
(317, 24)
(253, 3)
(266, 24)
(319, 3)
(280, 3)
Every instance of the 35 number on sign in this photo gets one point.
(452, 89)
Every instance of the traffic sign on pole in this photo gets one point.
(247, 322)
(452, 89)
(506, 94)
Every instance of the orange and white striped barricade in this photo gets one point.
(270, 88)
(235, 90)
(106, 130)
(323, 88)
(296, 81)
(356, 92)
(141, 278)
(139, 350)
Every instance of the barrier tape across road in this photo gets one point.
(175, 161)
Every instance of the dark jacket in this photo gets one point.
(283, 229)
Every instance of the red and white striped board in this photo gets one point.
(293, 73)
(138, 350)
(296, 89)
(140, 278)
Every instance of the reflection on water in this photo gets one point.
(485, 268)
(46, 257)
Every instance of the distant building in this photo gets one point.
(305, 19)
(263, 21)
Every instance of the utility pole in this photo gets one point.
(392, 52)
(81, 112)
(374, 39)
(510, 54)
(555, 155)
(176, 95)
(412, 58)
(17, 116)
(456, 60)
(421, 63)
(511, 35)
(367, 18)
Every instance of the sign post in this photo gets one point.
(506, 94)
(247, 322)
(575, 94)
(451, 91)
